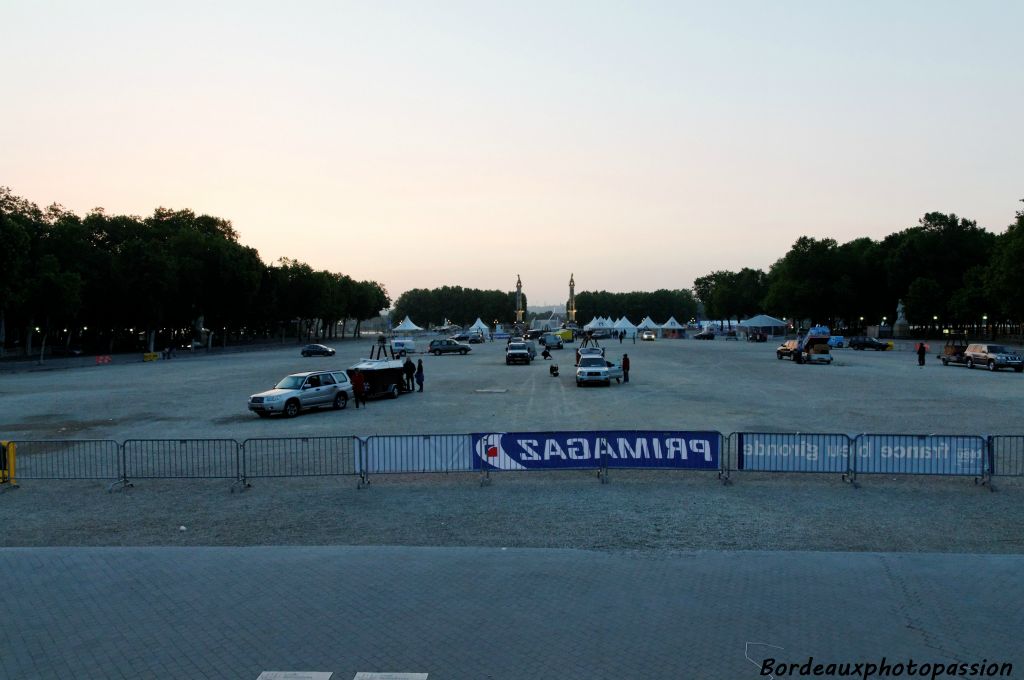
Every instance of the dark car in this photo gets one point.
(439, 347)
(317, 351)
(533, 334)
(864, 342)
(787, 350)
(550, 341)
(475, 338)
(705, 335)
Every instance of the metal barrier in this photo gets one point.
(919, 454)
(298, 457)
(69, 459)
(799, 452)
(1006, 455)
(384, 454)
(181, 459)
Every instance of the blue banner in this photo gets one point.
(919, 454)
(582, 450)
(793, 452)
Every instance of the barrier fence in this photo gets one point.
(1006, 455)
(771, 452)
(298, 457)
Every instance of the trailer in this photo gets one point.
(383, 377)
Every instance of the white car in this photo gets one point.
(597, 369)
(402, 347)
(647, 335)
(301, 391)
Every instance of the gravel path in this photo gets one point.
(637, 511)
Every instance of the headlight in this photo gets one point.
(274, 398)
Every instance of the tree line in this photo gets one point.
(103, 282)
(947, 271)
(659, 305)
(456, 304)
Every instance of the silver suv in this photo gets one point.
(992, 357)
(301, 391)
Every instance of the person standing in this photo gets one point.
(419, 374)
(625, 368)
(410, 371)
(359, 387)
(922, 350)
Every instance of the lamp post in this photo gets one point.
(984, 326)
(935, 320)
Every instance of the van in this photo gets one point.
(403, 346)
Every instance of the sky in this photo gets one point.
(636, 145)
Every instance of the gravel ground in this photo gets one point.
(636, 511)
(725, 386)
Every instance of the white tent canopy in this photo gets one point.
(763, 321)
(598, 322)
(672, 324)
(648, 324)
(479, 326)
(407, 325)
(624, 324)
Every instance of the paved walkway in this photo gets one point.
(489, 613)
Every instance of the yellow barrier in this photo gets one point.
(7, 457)
(150, 356)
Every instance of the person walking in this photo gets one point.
(359, 387)
(622, 334)
(922, 351)
(419, 374)
(625, 368)
(410, 372)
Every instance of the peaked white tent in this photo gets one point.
(673, 329)
(648, 324)
(626, 325)
(763, 323)
(598, 322)
(479, 326)
(407, 326)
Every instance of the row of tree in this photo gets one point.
(104, 280)
(456, 304)
(945, 270)
(659, 305)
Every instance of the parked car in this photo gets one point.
(993, 357)
(757, 336)
(317, 351)
(596, 369)
(600, 333)
(814, 348)
(589, 351)
(517, 353)
(836, 341)
(787, 350)
(954, 351)
(551, 341)
(647, 335)
(439, 347)
(475, 338)
(301, 391)
(533, 333)
(705, 335)
(863, 342)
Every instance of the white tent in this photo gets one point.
(673, 328)
(648, 324)
(626, 325)
(407, 326)
(598, 322)
(763, 323)
(479, 326)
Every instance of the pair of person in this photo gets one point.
(413, 375)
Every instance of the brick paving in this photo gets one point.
(479, 613)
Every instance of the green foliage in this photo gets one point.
(456, 304)
(659, 305)
(168, 271)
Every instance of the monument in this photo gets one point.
(901, 328)
(570, 306)
(519, 300)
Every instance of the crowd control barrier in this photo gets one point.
(1006, 455)
(799, 452)
(383, 454)
(298, 457)
(69, 459)
(180, 459)
(919, 454)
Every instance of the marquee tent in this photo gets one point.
(479, 326)
(406, 326)
(762, 323)
(648, 325)
(673, 329)
(625, 324)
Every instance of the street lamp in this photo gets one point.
(984, 326)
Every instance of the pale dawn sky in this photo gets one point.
(638, 145)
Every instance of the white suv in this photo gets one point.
(300, 391)
(595, 368)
